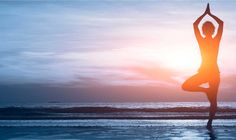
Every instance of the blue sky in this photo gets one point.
(106, 44)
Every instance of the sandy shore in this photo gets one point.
(116, 129)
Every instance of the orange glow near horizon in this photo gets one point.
(107, 44)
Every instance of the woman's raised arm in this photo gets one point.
(220, 28)
(196, 23)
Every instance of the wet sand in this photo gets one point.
(116, 129)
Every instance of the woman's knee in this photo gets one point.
(186, 86)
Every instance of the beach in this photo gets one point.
(139, 121)
(117, 129)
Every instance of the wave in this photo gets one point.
(9, 110)
(113, 113)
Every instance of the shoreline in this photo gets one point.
(114, 123)
(119, 118)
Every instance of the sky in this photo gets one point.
(108, 51)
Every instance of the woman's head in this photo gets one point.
(208, 28)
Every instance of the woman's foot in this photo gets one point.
(209, 125)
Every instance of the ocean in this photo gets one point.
(89, 121)
(147, 110)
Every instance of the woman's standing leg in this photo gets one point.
(212, 97)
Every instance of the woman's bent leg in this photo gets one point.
(193, 83)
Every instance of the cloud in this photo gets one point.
(79, 69)
(126, 44)
(28, 93)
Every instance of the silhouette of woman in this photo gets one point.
(209, 70)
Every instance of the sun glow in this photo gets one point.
(178, 58)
